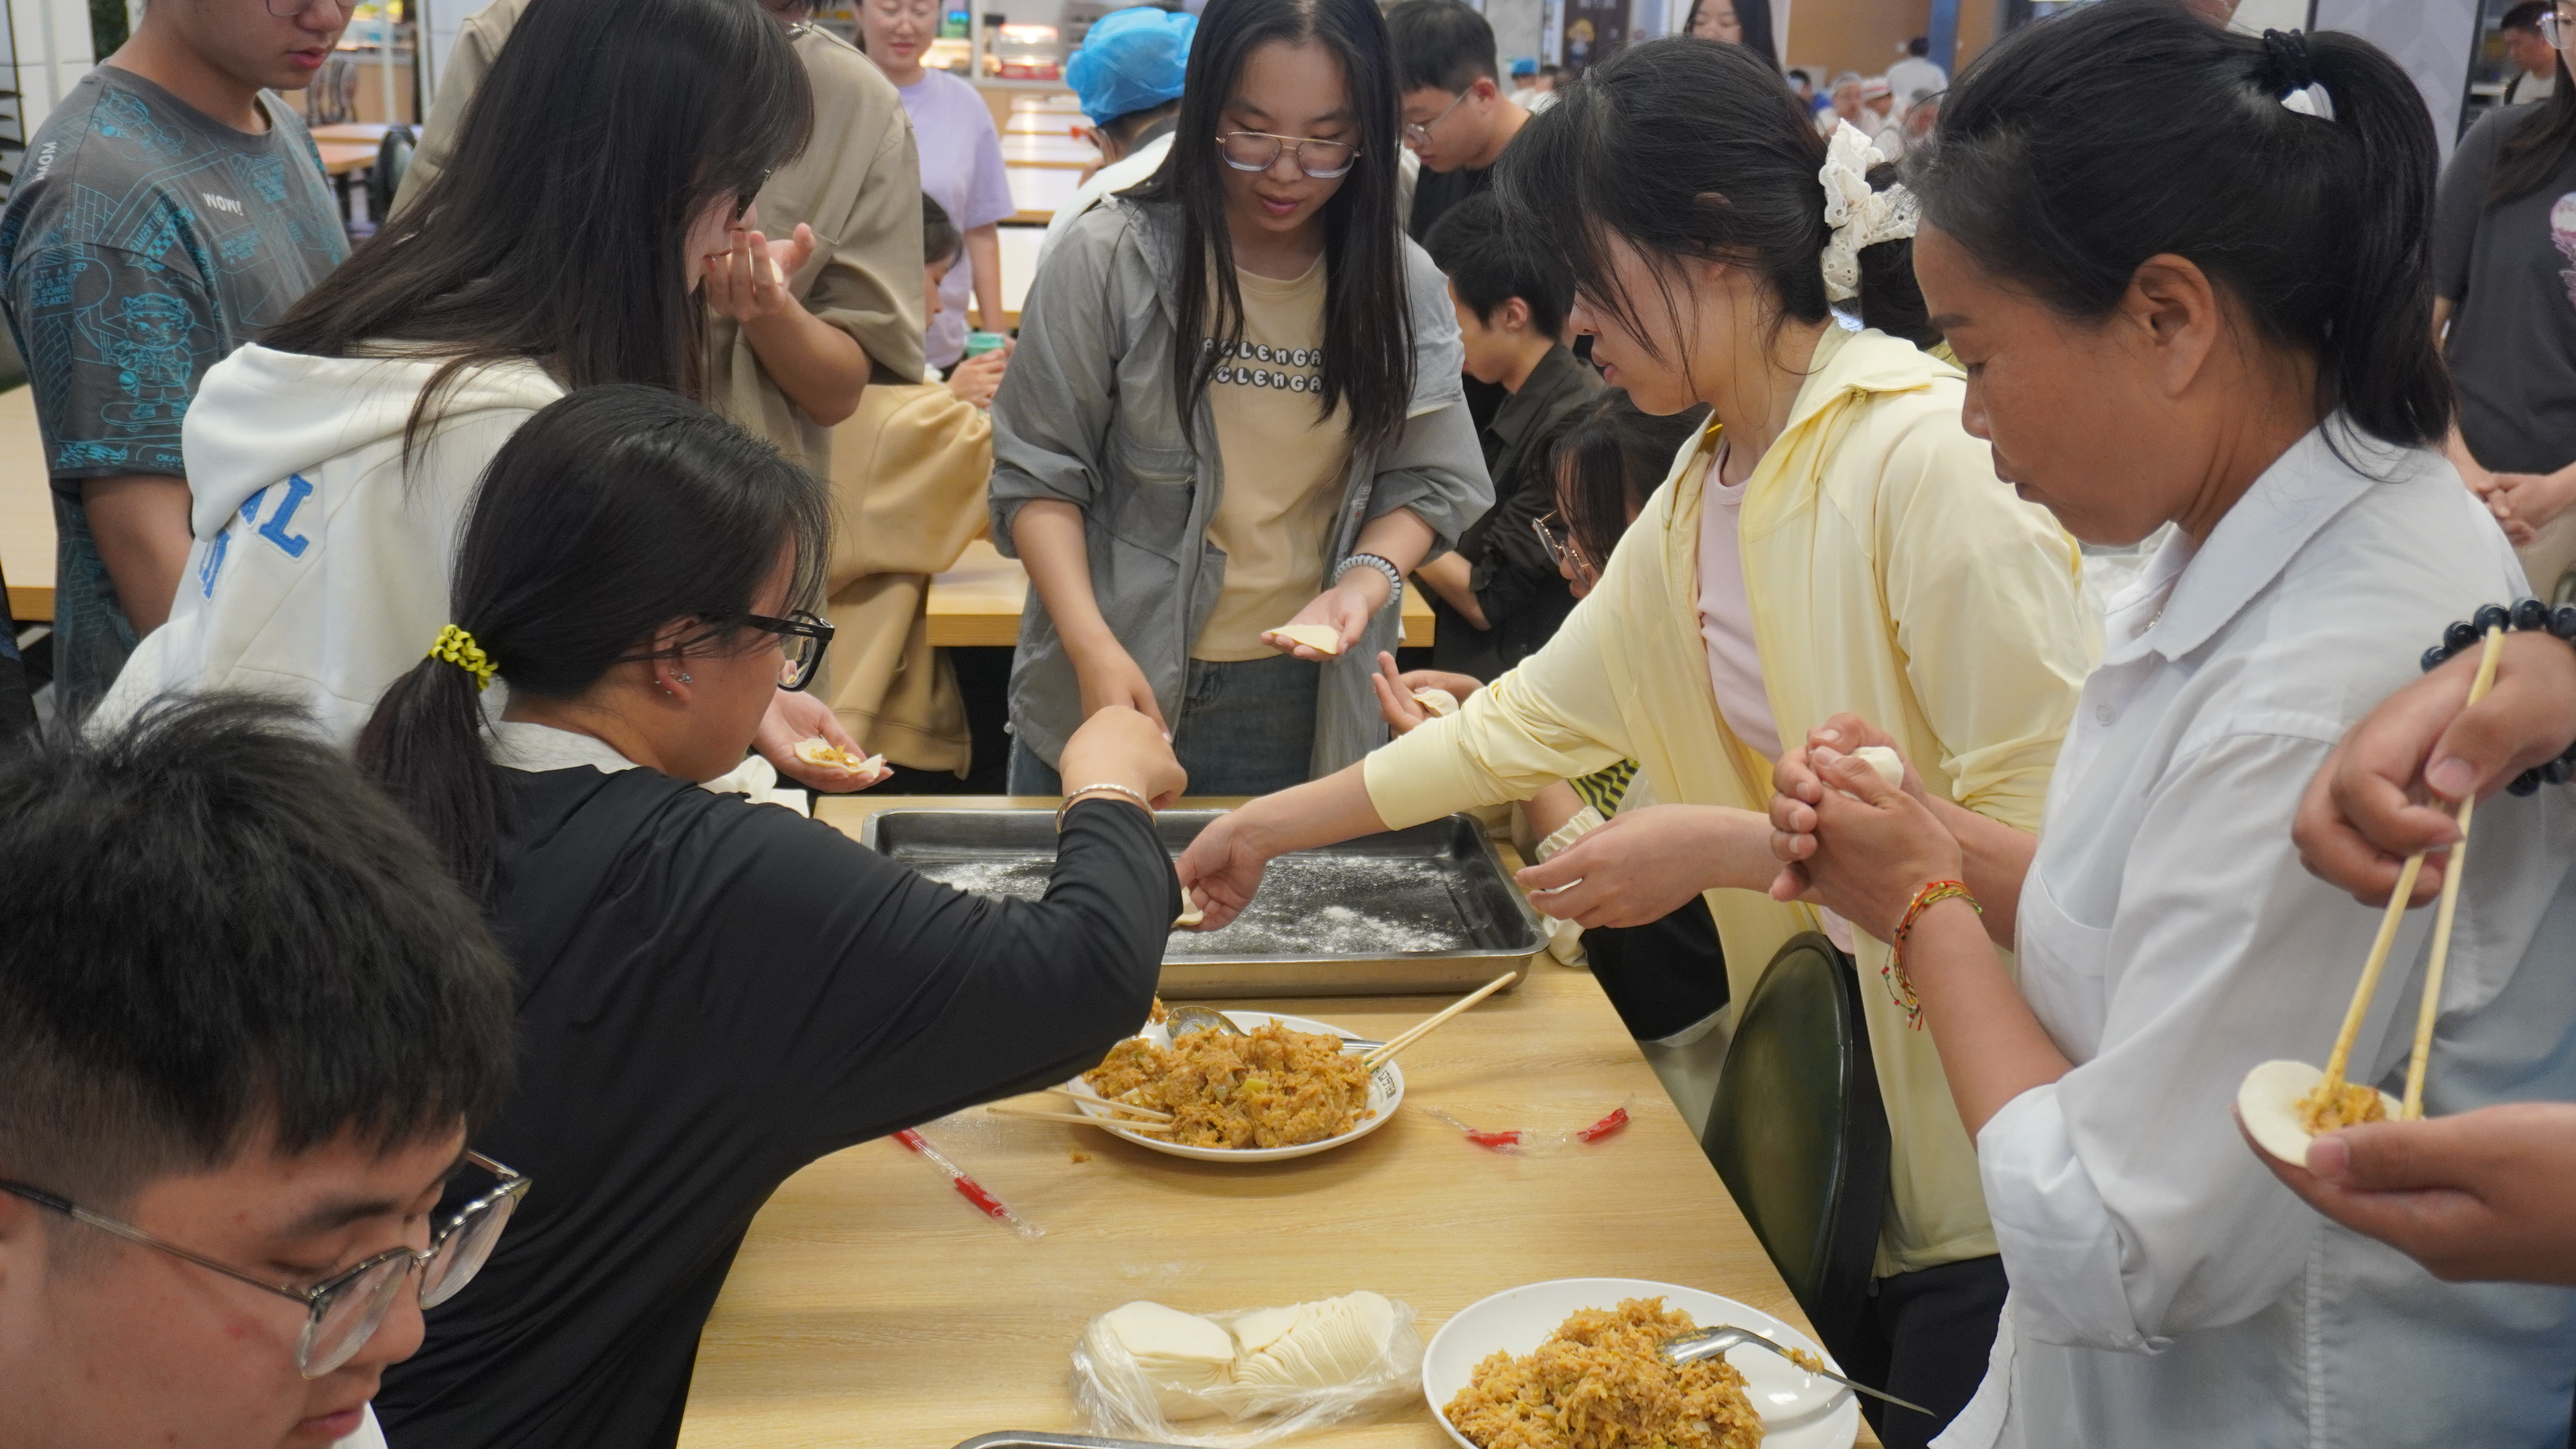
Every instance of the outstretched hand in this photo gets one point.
(1395, 692)
(1222, 870)
(750, 281)
(793, 716)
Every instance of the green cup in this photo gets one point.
(979, 343)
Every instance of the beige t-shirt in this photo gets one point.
(1284, 465)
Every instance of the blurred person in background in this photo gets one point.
(168, 209)
(961, 165)
(2533, 59)
(2504, 244)
(1127, 75)
(1915, 71)
(1736, 22)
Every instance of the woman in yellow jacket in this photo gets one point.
(1834, 541)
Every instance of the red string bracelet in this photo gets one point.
(1898, 985)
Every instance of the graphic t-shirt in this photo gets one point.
(2510, 272)
(1282, 460)
(147, 240)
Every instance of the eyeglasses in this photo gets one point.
(1419, 137)
(343, 1311)
(742, 200)
(1259, 151)
(802, 638)
(289, 9)
(2558, 28)
(1559, 542)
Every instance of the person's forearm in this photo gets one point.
(1452, 578)
(821, 368)
(1992, 1048)
(1996, 857)
(1048, 533)
(2456, 448)
(141, 525)
(1319, 812)
(984, 257)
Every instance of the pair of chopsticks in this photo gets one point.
(2443, 915)
(1379, 1056)
(1141, 1119)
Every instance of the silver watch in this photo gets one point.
(1394, 576)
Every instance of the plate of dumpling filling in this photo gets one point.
(1573, 1364)
(1286, 1087)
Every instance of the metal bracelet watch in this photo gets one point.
(1073, 798)
(1394, 575)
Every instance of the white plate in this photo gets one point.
(1799, 1410)
(1386, 1093)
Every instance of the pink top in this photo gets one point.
(1726, 617)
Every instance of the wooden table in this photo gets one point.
(871, 1306)
(26, 510)
(977, 603)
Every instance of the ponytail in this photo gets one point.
(1692, 149)
(2073, 151)
(607, 517)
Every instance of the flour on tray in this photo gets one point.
(1309, 906)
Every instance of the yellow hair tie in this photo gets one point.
(458, 648)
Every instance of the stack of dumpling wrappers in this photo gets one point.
(1200, 1368)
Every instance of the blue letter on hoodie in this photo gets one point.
(297, 490)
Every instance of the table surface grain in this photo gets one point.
(871, 1305)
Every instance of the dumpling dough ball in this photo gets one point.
(1888, 763)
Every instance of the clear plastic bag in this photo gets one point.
(1121, 1398)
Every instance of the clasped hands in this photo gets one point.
(1847, 840)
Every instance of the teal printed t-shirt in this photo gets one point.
(145, 241)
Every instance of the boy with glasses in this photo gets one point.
(168, 209)
(245, 1026)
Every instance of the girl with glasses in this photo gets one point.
(711, 992)
(1236, 407)
(331, 462)
(1834, 541)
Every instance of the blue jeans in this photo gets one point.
(1246, 727)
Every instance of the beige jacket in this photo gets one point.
(858, 185)
(1890, 575)
(907, 497)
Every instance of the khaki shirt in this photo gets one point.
(858, 185)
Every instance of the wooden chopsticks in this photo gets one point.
(1150, 1114)
(2443, 915)
(1085, 1119)
(1381, 1055)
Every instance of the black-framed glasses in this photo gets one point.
(343, 1311)
(742, 200)
(1419, 137)
(1259, 151)
(1559, 542)
(802, 638)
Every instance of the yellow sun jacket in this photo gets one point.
(1890, 575)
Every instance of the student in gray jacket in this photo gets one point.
(1235, 407)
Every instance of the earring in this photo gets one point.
(685, 679)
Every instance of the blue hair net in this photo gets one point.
(1131, 61)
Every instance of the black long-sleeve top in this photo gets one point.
(1517, 585)
(713, 994)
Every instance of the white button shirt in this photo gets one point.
(2165, 1289)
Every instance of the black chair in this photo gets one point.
(1799, 1133)
(393, 158)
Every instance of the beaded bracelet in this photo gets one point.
(2530, 616)
(1898, 985)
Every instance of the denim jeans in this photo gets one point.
(1246, 727)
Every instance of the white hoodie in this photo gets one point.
(320, 569)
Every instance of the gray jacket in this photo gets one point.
(1085, 414)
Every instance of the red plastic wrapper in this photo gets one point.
(1525, 1141)
(967, 1187)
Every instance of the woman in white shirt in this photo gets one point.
(2179, 300)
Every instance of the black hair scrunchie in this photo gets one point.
(2286, 66)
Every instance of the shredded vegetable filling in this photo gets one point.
(2334, 1105)
(1271, 1088)
(1598, 1383)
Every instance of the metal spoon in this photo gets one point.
(1711, 1342)
(1180, 1021)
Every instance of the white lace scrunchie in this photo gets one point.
(1859, 216)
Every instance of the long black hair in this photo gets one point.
(2076, 150)
(2541, 141)
(1609, 458)
(1754, 17)
(1368, 322)
(555, 230)
(607, 516)
(1688, 148)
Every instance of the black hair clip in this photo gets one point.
(2286, 66)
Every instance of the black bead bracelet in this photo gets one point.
(2530, 616)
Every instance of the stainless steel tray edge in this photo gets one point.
(1499, 909)
(1044, 1439)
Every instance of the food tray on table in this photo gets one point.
(1428, 909)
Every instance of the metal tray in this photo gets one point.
(1048, 1439)
(1422, 910)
